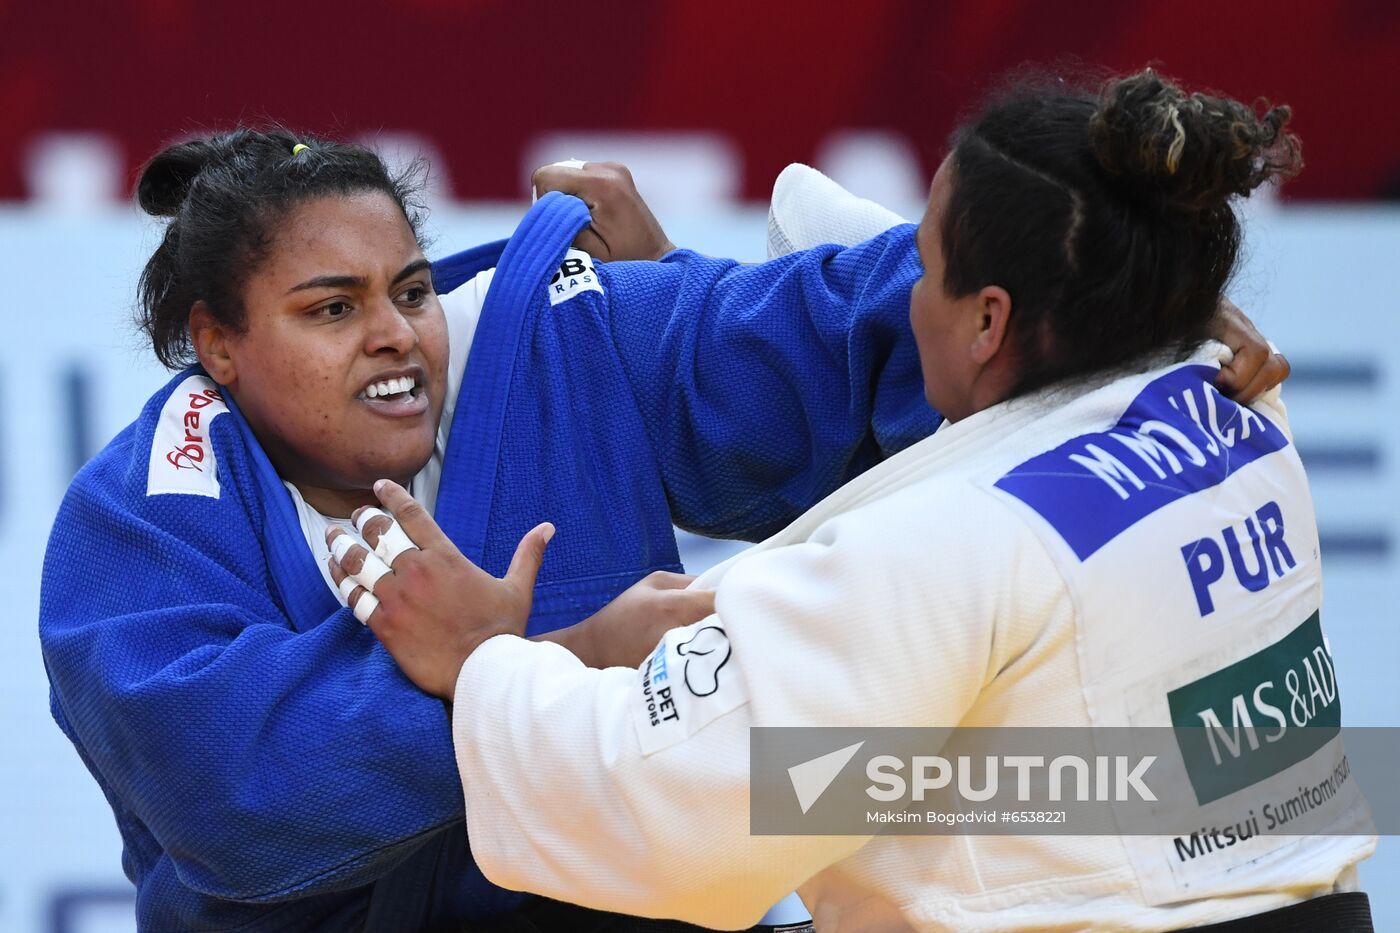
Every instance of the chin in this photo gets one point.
(402, 464)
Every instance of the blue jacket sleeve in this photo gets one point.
(266, 763)
(766, 387)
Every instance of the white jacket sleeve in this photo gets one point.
(628, 791)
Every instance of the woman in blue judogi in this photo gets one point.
(266, 762)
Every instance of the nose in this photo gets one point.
(389, 331)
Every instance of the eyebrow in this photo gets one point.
(358, 281)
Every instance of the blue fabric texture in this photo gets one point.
(268, 765)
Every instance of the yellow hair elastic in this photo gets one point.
(299, 147)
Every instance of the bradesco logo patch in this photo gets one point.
(1251, 720)
(574, 276)
(1178, 437)
(182, 458)
(686, 683)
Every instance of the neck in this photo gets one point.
(992, 385)
(337, 503)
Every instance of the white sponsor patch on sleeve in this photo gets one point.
(574, 276)
(182, 458)
(686, 683)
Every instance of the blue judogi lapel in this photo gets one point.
(523, 267)
(300, 587)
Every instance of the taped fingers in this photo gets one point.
(361, 602)
(392, 543)
(369, 520)
(365, 606)
(386, 536)
(363, 567)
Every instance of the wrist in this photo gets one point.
(577, 638)
(448, 690)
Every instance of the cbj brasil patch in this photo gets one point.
(574, 276)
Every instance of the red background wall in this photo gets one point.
(483, 77)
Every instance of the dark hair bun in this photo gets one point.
(1194, 151)
(165, 180)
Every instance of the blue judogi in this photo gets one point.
(266, 761)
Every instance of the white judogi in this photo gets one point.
(947, 586)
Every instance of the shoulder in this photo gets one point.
(178, 422)
(947, 518)
(168, 472)
(933, 583)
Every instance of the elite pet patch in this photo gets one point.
(574, 276)
(686, 683)
(182, 457)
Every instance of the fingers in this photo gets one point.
(565, 178)
(699, 604)
(666, 580)
(382, 533)
(592, 243)
(1273, 372)
(623, 227)
(592, 182)
(371, 523)
(346, 552)
(683, 603)
(416, 521)
(529, 554)
(1255, 368)
(361, 602)
(1241, 371)
(366, 568)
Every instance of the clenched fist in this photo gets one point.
(623, 227)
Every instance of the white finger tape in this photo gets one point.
(369, 574)
(340, 546)
(365, 606)
(346, 587)
(392, 543)
(366, 515)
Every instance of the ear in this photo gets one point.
(209, 337)
(993, 321)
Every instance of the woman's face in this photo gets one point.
(935, 316)
(960, 340)
(341, 366)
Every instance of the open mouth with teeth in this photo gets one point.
(398, 396)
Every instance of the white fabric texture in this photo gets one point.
(462, 307)
(809, 209)
(911, 596)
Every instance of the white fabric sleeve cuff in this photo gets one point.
(809, 209)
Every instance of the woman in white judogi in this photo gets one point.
(1096, 537)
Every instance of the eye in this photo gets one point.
(335, 309)
(414, 296)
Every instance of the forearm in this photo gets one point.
(577, 639)
(766, 387)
